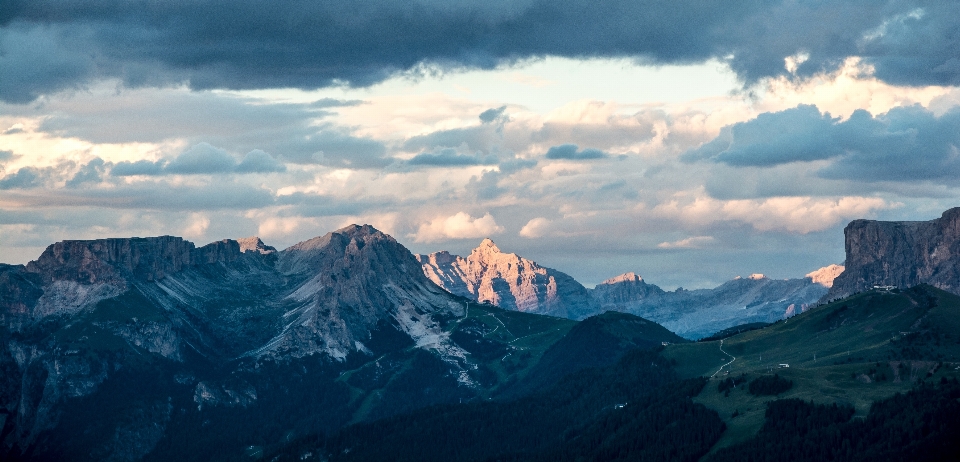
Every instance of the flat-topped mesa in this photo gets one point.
(900, 254)
(147, 258)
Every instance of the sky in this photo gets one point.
(687, 141)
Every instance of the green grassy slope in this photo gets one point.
(854, 351)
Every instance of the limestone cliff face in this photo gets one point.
(508, 281)
(901, 254)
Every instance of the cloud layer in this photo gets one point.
(51, 45)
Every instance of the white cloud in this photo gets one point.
(537, 227)
(459, 226)
(800, 215)
(197, 226)
(695, 242)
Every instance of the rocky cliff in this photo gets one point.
(508, 281)
(901, 254)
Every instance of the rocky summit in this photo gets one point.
(509, 281)
(900, 254)
(516, 283)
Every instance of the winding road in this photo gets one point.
(727, 364)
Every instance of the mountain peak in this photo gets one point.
(487, 246)
(825, 276)
(625, 277)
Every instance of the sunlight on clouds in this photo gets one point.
(197, 226)
(695, 242)
(459, 226)
(278, 228)
(800, 215)
(535, 228)
(852, 87)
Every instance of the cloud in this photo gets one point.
(335, 149)
(798, 134)
(92, 172)
(140, 167)
(49, 47)
(26, 177)
(450, 158)
(905, 144)
(535, 228)
(790, 214)
(7, 155)
(197, 226)
(695, 242)
(14, 129)
(570, 152)
(459, 226)
(483, 138)
(257, 161)
(202, 158)
(151, 195)
(491, 115)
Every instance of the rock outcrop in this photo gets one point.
(508, 281)
(901, 254)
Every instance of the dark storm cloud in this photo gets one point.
(242, 44)
(905, 144)
(571, 152)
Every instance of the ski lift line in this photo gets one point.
(727, 364)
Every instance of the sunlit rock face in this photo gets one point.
(515, 283)
(508, 281)
(826, 275)
(901, 254)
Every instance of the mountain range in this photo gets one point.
(156, 349)
(512, 282)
